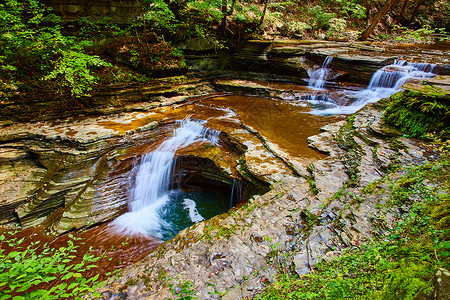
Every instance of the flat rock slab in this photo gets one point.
(438, 86)
(366, 59)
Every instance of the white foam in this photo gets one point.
(191, 206)
(318, 77)
(153, 176)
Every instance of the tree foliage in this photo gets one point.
(31, 43)
(34, 52)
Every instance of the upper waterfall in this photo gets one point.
(318, 77)
(384, 83)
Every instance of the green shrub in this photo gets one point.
(73, 70)
(298, 28)
(25, 270)
(320, 18)
(337, 27)
(408, 35)
(32, 47)
(351, 9)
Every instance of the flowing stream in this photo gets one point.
(160, 211)
(318, 77)
(384, 83)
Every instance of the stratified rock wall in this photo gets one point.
(121, 12)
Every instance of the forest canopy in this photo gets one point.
(38, 49)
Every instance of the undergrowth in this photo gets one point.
(39, 271)
(417, 113)
(398, 265)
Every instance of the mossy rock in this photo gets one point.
(420, 109)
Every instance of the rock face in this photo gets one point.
(290, 60)
(108, 99)
(119, 12)
(300, 221)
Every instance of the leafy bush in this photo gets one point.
(160, 17)
(42, 272)
(72, 70)
(351, 9)
(408, 35)
(320, 18)
(337, 27)
(298, 28)
(31, 42)
(23, 41)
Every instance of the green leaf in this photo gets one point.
(37, 293)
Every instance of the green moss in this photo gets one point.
(353, 154)
(312, 183)
(225, 231)
(308, 218)
(419, 112)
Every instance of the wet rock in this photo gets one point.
(358, 66)
(196, 44)
(207, 62)
(244, 87)
(119, 296)
(12, 154)
(217, 255)
(287, 51)
(290, 228)
(4, 123)
(107, 295)
(442, 284)
(257, 238)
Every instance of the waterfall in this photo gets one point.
(384, 83)
(236, 192)
(318, 77)
(153, 176)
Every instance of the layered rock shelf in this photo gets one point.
(303, 175)
(301, 220)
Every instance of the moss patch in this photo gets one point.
(417, 112)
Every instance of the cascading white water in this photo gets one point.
(318, 77)
(153, 176)
(384, 83)
(236, 192)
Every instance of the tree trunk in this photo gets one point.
(223, 24)
(261, 21)
(366, 33)
(402, 11)
(416, 9)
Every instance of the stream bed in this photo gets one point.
(127, 182)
